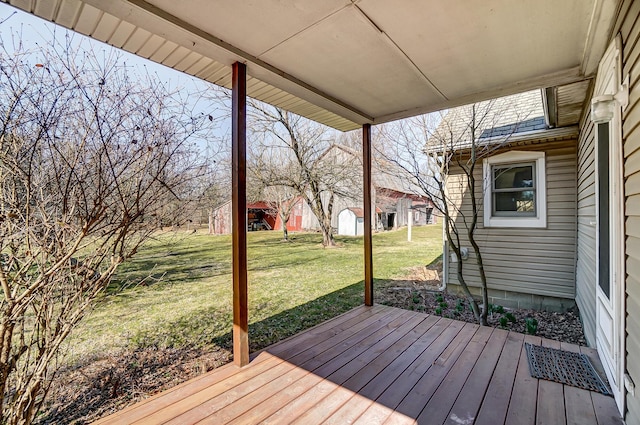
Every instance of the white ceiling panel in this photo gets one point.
(255, 25)
(353, 61)
(489, 44)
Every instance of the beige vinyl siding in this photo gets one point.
(527, 260)
(586, 260)
(630, 32)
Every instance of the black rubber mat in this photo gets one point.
(565, 367)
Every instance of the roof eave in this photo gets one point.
(529, 137)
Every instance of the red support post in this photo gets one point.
(239, 214)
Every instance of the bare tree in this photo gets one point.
(442, 154)
(89, 160)
(290, 151)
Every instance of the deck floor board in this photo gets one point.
(376, 365)
(473, 393)
(551, 407)
(496, 400)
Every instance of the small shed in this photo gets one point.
(351, 222)
(261, 216)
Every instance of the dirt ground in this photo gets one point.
(111, 383)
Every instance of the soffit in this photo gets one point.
(346, 63)
(570, 100)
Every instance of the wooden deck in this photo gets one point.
(381, 365)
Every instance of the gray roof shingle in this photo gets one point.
(495, 121)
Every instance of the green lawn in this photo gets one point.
(185, 298)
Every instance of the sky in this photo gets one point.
(35, 31)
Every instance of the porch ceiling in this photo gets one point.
(349, 62)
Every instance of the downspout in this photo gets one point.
(445, 260)
(445, 245)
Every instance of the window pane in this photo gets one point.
(513, 177)
(520, 203)
(604, 259)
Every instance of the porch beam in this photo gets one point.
(368, 253)
(239, 213)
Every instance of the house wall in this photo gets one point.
(539, 262)
(629, 25)
(586, 261)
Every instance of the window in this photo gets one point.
(514, 194)
(514, 190)
(604, 208)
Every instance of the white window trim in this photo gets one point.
(540, 220)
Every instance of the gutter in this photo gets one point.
(517, 139)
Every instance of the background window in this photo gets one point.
(514, 190)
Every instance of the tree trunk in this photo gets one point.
(467, 292)
(483, 280)
(461, 280)
(211, 222)
(284, 218)
(5, 357)
(471, 186)
(327, 237)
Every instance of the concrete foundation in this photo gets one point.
(511, 299)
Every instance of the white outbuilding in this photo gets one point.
(351, 222)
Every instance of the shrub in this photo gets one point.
(532, 325)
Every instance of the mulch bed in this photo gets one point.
(419, 291)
